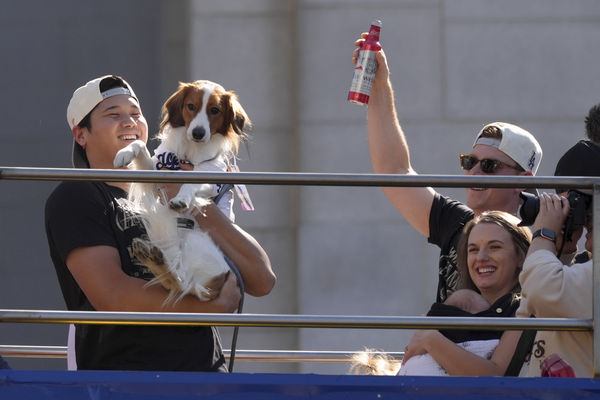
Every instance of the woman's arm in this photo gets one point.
(459, 362)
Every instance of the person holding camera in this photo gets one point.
(551, 289)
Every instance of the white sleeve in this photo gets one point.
(554, 290)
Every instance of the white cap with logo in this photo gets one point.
(517, 143)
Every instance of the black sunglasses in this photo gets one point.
(488, 166)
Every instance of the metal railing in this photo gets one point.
(240, 355)
(313, 321)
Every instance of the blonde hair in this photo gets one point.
(372, 362)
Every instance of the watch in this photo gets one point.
(546, 234)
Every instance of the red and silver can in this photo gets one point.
(366, 65)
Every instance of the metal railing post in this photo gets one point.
(596, 280)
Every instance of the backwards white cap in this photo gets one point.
(83, 102)
(517, 143)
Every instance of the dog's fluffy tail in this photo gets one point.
(372, 362)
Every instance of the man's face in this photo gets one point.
(115, 122)
(481, 199)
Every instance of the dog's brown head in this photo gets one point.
(205, 108)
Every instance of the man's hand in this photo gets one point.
(230, 296)
(382, 73)
(171, 189)
(552, 215)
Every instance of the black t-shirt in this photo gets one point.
(446, 222)
(82, 214)
(505, 307)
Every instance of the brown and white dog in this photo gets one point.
(202, 125)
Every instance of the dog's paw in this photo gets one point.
(127, 154)
(180, 203)
(206, 190)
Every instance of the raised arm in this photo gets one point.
(389, 150)
(551, 288)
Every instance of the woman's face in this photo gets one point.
(492, 260)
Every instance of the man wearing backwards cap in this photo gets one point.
(499, 149)
(90, 230)
(551, 289)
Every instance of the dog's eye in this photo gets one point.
(191, 107)
(214, 110)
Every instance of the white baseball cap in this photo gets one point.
(85, 99)
(517, 143)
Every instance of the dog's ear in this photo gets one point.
(235, 115)
(172, 110)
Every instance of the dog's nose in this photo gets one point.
(198, 133)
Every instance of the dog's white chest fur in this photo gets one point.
(184, 260)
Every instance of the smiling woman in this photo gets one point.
(490, 256)
(491, 253)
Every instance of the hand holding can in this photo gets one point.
(366, 65)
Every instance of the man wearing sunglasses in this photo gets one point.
(499, 149)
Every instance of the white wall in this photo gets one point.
(455, 66)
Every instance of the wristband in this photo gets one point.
(545, 233)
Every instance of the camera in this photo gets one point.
(578, 202)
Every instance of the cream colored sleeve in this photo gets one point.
(554, 290)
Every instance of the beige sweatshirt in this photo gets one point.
(553, 290)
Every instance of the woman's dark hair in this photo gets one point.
(521, 237)
(107, 83)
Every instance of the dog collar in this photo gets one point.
(185, 223)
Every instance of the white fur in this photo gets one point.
(205, 156)
(192, 257)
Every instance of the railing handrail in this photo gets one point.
(293, 320)
(296, 178)
(240, 355)
(352, 179)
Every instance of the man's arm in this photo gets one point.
(97, 270)
(245, 252)
(554, 290)
(551, 288)
(389, 151)
(242, 249)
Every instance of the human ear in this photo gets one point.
(523, 173)
(79, 135)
